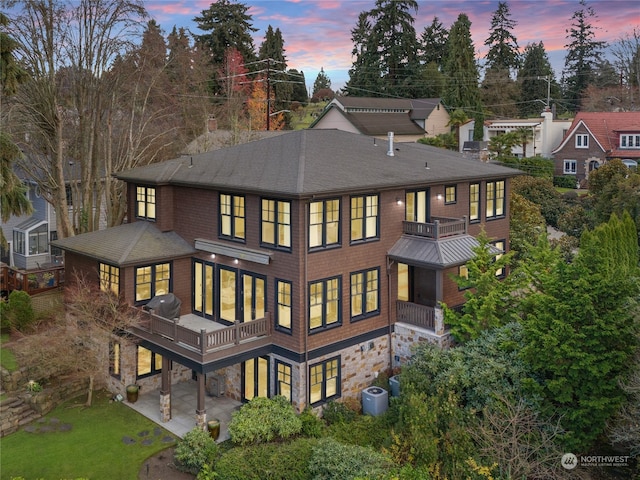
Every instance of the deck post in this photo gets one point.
(165, 390)
(201, 411)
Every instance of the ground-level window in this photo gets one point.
(403, 282)
(283, 381)
(570, 167)
(114, 359)
(463, 272)
(324, 381)
(148, 362)
(109, 278)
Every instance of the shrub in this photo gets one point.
(195, 450)
(338, 412)
(285, 461)
(312, 426)
(332, 460)
(565, 181)
(264, 420)
(18, 312)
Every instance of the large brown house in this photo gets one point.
(301, 265)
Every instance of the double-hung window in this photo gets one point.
(324, 381)
(109, 278)
(495, 199)
(499, 244)
(365, 297)
(283, 302)
(449, 194)
(152, 280)
(474, 202)
(232, 217)
(582, 140)
(324, 303)
(146, 202)
(364, 218)
(276, 224)
(283, 381)
(324, 223)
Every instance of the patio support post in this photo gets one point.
(201, 411)
(165, 390)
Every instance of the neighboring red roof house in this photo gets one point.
(299, 265)
(595, 138)
(408, 119)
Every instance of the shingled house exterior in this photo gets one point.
(303, 264)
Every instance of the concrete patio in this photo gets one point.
(183, 409)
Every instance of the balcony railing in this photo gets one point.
(205, 345)
(441, 227)
(31, 281)
(422, 316)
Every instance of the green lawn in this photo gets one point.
(7, 359)
(105, 442)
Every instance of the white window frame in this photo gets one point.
(582, 140)
(570, 171)
(630, 141)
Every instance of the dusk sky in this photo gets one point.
(317, 33)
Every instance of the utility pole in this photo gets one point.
(548, 80)
(268, 94)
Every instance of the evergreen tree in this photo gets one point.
(322, 82)
(461, 70)
(499, 92)
(228, 25)
(299, 93)
(580, 329)
(537, 80)
(365, 77)
(272, 51)
(11, 73)
(503, 46)
(385, 46)
(434, 44)
(583, 55)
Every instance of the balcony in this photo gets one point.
(441, 227)
(423, 316)
(201, 340)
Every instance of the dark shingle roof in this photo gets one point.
(316, 162)
(129, 244)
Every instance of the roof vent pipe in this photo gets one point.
(390, 152)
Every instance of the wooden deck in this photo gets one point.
(31, 281)
(203, 345)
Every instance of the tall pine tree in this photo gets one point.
(462, 91)
(536, 79)
(584, 53)
(273, 53)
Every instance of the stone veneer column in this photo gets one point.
(165, 391)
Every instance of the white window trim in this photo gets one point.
(567, 171)
(583, 136)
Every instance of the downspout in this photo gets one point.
(389, 264)
(305, 300)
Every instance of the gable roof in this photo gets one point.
(605, 128)
(128, 244)
(311, 162)
(374, 124)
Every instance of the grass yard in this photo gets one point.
(103, 442)
(7, 359)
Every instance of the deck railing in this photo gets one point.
(203, 342)
(421, 316)
(441, 227)
(30, 281)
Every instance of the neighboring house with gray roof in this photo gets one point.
(304, 263)
(408, 119)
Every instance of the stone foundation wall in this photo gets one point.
(405, 336)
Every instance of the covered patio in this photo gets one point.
(183, 409)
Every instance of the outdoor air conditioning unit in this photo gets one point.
(375, 401)
(215, 385)
(394, 383)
